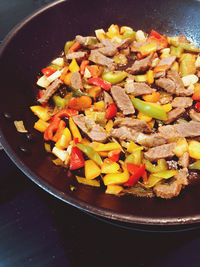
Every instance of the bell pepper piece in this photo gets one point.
(155, 34)
(109, 126)
(64, 73)
(59, 131)
(148, 48)
(136, 172)
(100, 82)
(141, 78)
(152, 180)
(66, 112)
(187, 64)
(160, 68)
(195, 165)
(74, 47)
(83, 65)
(120, 59)
(47, 147)
(95, 91)
(94, 70)
(64, 140)
(73, 66)
(91, 153)
(85, 181)
(109, 166)
(59, 101)
(153, 98)
(80, 103)
(175, 66)
(116, 178)
(161, 165)
(166, 174)
(74, 130)
(41, 125)
(158, 38)
(111, 111)
(67, 46)
(132, 147)
(41, 112)
(197, 106)
(176, 51)
(113, 189)
(52, 128)
(150, 77)
(196, 95)
(67, 78)
(150, 109)
(114, 77)
(186, 46)
(114, 155)
(181, 147)
(134, 158)
(143, 117)
(106, 147)
(76, 160)
(167, 107)
(99, 106)
(194, 149)
(48, 71)
(92, 170)
(113, 31)
(127, 32)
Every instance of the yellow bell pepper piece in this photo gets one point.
(109, 126)
(116, 178)
(85, 181)
(41, 125)
(47, 147)
(73, 66)
(106, 147)
(41, 112)
(92, 170)
(143, 117)
(151, 123)
(113, 31)
(64, 140)
(99, 106)
(74, 130)
(95, 91)
(181, 147)
(103, 154)
(194, 149)
(85, 141)
(132, 147)
(114, 189)
(109, 166)
(167, 107)
(67, 78)
(141, 78)
(175, 66)
(150, 77)
(148, 48)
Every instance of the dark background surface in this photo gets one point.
(36, 229)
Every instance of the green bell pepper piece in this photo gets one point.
(186, 46)
(166, 174)
(59, 101)
(54, 66)
(90, 41)
(120, 59)
(134, 158)
(114, 77)
(150, 109)
(77, 93)
(155, 178)
(176, 51)
(195, 165)
(91, 153)
(161, 165)
(68, 44)
(187, 64)
(129, 33)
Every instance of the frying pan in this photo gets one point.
(31, 46)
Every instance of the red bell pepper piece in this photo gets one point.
(94, 70)
(144, 177)
(52, 128)
(48, 72)
(158, 38)
(76, 160)
(83, 65)
(196, 95)
(111, 111)
(197, 106)
(100, 82)
(66, 112)
(114, 155)
(136, 172)
(59, 131)
(155, 34)
(74, 47)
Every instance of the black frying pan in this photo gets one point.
(32, 45)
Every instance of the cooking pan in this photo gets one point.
(31, 46)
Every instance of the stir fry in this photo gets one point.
(122, 108)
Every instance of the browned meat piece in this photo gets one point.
(100, 59)
(169, 132)
(76, 81)
(174, 114)
(151, 140)
(195, 116)
(167, 61)
(182, 102)
(160, 74)
(174, 188)
(167, 84)
(84, 40)
(160, 152)
(180, 89)
(135, 46)
(97, 133)
(124, 133)
(51, 89)
(122, 100)
(137, 89)
(107, 98)
(124, 43)
(138, 125)
(184, 160)
(125, 51)
(76, 55)
(141, 65)
(109, 49)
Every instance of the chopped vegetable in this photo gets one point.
(114, 77)
(92, 170)
(194, 149)
(20, 126)
(74, 130)
(111, 111)
(76, 160)
(85, 181)
(100, 82)
(91, 153)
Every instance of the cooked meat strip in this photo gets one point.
(195, 116)
(97, 133)
(107, 99)
(77, 55)
(184, 160)
(76, 81)
(51, 89)
(84, 41)
(122, 100)
(151, 140)
(160, 74)
(182, 102)
(167, 84)
(140, 65)
(160, 152)
(124, 133)
(124, 43)
(100, 59)
(138, 125)
(174, 188)
(167, 61)
(109, 49)
(174, 114)
(137, 88)
(135, 46)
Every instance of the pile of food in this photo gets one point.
(122, 110)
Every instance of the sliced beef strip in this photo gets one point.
(182, 102)
(97, 133)
(51, 89)
(124, 133)
(167, 61)
(77, 55)
(195, 116)
(122, 100)
(107, 99)
(124, 43)
(138, 125)
(151, 140)
(160, 152)
(100, 59)
(109, 49)
(83, 40)
(76, 81)
(137, 88)
(160, 74)
(174, 114)
(168, 191)
(140, 65)
(184, 160)
(166, 84)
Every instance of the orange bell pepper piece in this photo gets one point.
(83, 65)
(153, 98)
(160, 68)
(74, 47)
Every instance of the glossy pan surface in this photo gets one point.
(32, 45)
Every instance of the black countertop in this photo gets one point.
(37, 229)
